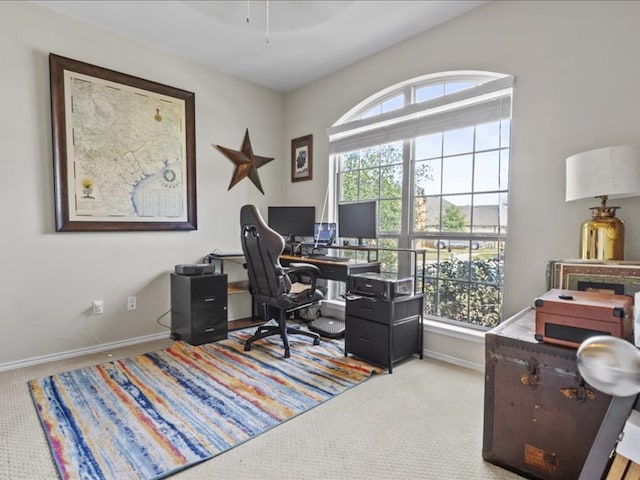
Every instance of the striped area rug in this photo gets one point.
(149, 416)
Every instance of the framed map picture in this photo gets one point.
(123, 151)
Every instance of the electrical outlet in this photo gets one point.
(98, 307)
(132, 303)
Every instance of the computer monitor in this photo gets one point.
(292, 222)
(324, 233)
(357, 220)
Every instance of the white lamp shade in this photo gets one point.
(611, 171)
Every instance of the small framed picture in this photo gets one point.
(302, 158)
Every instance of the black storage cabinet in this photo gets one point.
(199, 308)
(384, 332)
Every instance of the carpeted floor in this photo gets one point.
(423, 421)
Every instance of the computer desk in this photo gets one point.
(330, 270)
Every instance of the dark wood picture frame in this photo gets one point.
(302, 158)
(168, 199)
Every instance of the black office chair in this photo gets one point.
(270, 283)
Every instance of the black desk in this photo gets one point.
(331, 270)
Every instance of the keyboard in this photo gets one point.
(328, 258)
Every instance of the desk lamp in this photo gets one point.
(612, 365)
(610, 172)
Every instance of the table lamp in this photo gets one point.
(610, 172)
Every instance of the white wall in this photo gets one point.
(576, 71)
(49, 278)
(576, 75)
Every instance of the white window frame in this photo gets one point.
(488, 101)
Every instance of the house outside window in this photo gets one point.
(434, 153)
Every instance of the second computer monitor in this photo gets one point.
(291, 222)
(357, 220)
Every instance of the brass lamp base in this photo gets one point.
(602, 237)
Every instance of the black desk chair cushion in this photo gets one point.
(269, 282)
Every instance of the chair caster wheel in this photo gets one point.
(287, 354)
(247, 347)
(316, 341)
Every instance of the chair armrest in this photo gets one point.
(304, 268)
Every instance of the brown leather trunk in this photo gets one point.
(568, 317)
(540, 418)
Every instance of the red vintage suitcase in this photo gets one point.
(568, 317)
(540, 418)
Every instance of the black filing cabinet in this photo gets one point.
(199, 308)
(384, 331)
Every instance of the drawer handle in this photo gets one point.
(208, 330)
(364, 339)
(368, 309)
(209, 299)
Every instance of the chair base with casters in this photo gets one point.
(281, 329)
(272, 285)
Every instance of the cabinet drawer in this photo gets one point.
(367, 340)
(385, 311)
(406, 338)
(209, 325)
(208, 291)
(370, 340)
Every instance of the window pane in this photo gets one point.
(349, 161)
(370, 157)
(486, 213)
(504, 169)
(431, 297)
(426, 214)
(454, 267)
(428, 146)
(458, 141)
(391, 181)
(484, 305)
(455, 213)
(391, 153)
(453, 299)
(393, 103)
(390, 212)
(372, 112)
(504, 202)
(428, 92)
(488, 136)
(428, 177)
(505, 133)
(487, 172)
(349, 186)
(456, 174)
(451, 87)
(368, 184)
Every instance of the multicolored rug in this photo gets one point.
(149, 416)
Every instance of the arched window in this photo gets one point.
(434, 153)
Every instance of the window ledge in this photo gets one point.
(467, 334)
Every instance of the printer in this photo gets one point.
(383, 286)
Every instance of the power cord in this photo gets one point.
(161, 324)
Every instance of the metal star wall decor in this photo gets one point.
(246, 162)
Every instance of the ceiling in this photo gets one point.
(282, 45)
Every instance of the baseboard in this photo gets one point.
(454, 360)
(82, 351)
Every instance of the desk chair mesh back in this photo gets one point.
(269, 282)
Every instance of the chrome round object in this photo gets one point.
(610, 364)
